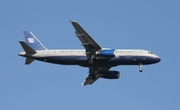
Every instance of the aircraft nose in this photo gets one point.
(157, 59)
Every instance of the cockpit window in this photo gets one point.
(150, 52)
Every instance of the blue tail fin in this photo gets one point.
(32, 41)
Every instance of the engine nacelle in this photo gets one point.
(106, 53)
(110, 74)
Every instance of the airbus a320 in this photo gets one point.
(97, 59)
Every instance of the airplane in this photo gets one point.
(97, 59)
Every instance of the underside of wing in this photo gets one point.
(86, 40)
(94, 74)
(90, 79)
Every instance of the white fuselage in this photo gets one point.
(117, 52)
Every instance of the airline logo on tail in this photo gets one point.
(31, 40)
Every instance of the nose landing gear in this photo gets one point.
(140, 67)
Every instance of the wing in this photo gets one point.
(91, 47)
(94, 75)
(89, 44)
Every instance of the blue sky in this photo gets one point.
(132, 24)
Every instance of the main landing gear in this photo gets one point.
(140, 67)
(91, 59)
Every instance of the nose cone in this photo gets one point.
(157, 59)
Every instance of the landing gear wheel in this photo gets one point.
(140, 68)
(90, 61)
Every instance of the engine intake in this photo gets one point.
(110, 74)
(106, 53)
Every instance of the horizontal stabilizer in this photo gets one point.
(27, 48)
(28, 61)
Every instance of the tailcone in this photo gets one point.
(22, 54)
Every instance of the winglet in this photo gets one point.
(72, 21)
(82, 84)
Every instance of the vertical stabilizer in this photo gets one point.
(32, 41)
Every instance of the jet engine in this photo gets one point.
(106, 53)
(110, 74)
